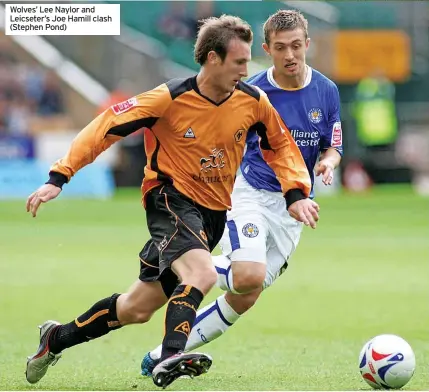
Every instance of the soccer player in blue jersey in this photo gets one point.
(260, 235)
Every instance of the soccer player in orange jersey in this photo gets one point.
(195, 141)
(260, 236)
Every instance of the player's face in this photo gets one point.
(234, 67)
(287, 49)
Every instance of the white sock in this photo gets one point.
(211, 322)
(224, 273)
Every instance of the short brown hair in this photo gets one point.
(216, 33)
(285, 20)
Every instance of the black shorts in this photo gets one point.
(176, 224)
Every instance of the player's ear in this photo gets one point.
(266, 48)
(307, 43)
(213, 58)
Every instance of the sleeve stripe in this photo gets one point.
(132, 126)
(261, 131)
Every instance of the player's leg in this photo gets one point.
(283, 238)
(244, 242)
(285, 234)
(106, 315)
(216, 318)
(136, 306)
(185, 235)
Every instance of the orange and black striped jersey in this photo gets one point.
(193, 142)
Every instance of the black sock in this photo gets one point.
(179, 319)
(95, 322)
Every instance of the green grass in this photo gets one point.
(363, 272)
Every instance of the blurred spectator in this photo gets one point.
(51, 99)
(374, 111)
(18, 116)
(179, 23)
(28, 94)
(3, 116)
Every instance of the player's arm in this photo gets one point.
(283, 155)
(329, 160)
(331, 144)
(112, 125)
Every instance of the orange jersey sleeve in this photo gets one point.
(281, 153)
(113, 124)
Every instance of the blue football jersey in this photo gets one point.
(312, 115)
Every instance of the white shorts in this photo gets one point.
(259, 229)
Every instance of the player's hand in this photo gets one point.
(326, 168)
(305, 211)
(42, 195)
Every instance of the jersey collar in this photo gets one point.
(273, 83)
(197, 90)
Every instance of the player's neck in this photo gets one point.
(207, 87)
(290, 82)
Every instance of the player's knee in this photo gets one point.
(203, 278)
(131, 312)
(241, 303)
(195, 268)
(248, 279)
(141, 317)
(206, 279)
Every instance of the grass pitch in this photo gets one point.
(363, 272)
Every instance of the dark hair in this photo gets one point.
(216, 33)
(284, 20)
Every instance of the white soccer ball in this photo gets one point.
(387, 362)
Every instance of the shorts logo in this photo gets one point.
(337, 135)
(163, 244)
(124, 106)
(315, 115)
(183, 328)
(203, 235)
(250, 230)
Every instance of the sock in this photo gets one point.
(211, 322)
(179, 319)
(99, 320)
(224, 273)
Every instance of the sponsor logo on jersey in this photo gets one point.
(124, 106)
(315, 115)
(337, 135)
(213, 161)
(305, 138)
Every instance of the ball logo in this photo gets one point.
(315, 115)
(337, 135)
(124, 106)
(250, 230)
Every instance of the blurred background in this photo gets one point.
(376, 51)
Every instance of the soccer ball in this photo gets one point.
(387, 361)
